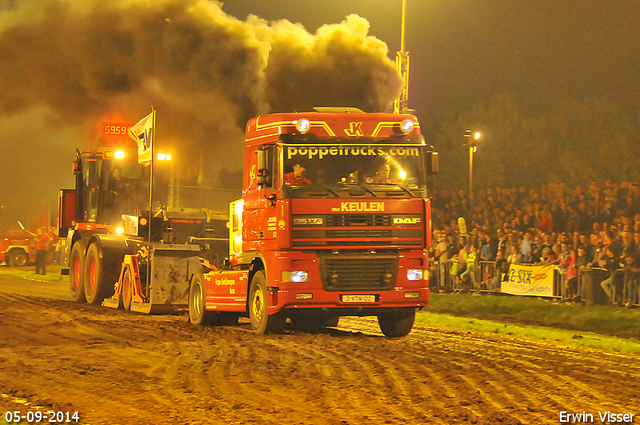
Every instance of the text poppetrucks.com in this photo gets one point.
(605, 417)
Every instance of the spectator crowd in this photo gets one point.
(592, 228)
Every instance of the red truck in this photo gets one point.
(17, 248)
(349, 242)
(345, 236)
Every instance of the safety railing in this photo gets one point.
(587, 285)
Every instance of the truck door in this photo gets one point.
(259, 215)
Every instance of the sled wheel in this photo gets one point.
(127, 288)
(198, 314)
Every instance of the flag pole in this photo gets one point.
(153, 142)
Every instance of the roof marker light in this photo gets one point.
(303, 125)
(407, 126)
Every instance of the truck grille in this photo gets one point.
(357, 230)
(357, 272)
(359, 233)
(339, 220)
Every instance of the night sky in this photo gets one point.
(463, 52)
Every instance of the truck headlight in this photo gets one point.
(415, 274)
(407, 126)
(303, 125)
(296, 276)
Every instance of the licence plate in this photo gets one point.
(358, 298)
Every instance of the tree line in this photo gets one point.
(573, 141)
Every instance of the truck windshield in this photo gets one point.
(375, 170)
(113, 188)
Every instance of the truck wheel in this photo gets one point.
(127, 288)
(76, 272)
(198, 314)
(18, 258)
(397, 323)
(96, 278)
(261, 322)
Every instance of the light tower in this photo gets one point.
(402, 65)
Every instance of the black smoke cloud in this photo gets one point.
(68, 65)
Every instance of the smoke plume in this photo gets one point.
(66, 66)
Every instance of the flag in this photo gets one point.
(142, 133)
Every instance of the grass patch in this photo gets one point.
(600, 319)
(28, 272)
(562, 336)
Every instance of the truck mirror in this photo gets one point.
(263, 167)
(433, 166)
(262, 161)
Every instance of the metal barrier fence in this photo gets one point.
(448, 277)
(587, 286)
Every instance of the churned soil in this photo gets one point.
(117, 367)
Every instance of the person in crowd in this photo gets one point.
(628, 246)
(636, 238)
(53, 245)
(548, 243)
(460, 260)
(599, 254)
(440, 253)
(525, 247)
(536, 250)
(586, 243)
(515, 257)
(612, 252)
(488, 251)
(547, 257)
(568, 265)
(557, 251)
(441, 256)
(500, 272)
(42, 250)
(546, 222)
(502, 239)
(631, 275)
(468, 277)
(513, 241)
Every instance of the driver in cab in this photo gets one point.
(296, 177)
(382, 176)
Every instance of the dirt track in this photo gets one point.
(115, 367)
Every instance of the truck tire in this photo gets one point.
(76, 273)
(98, 279)
(198, 315)
(18, 258)
(261, 322)
(397, 323)
(127, 288)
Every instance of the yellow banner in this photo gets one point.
(529, 280)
